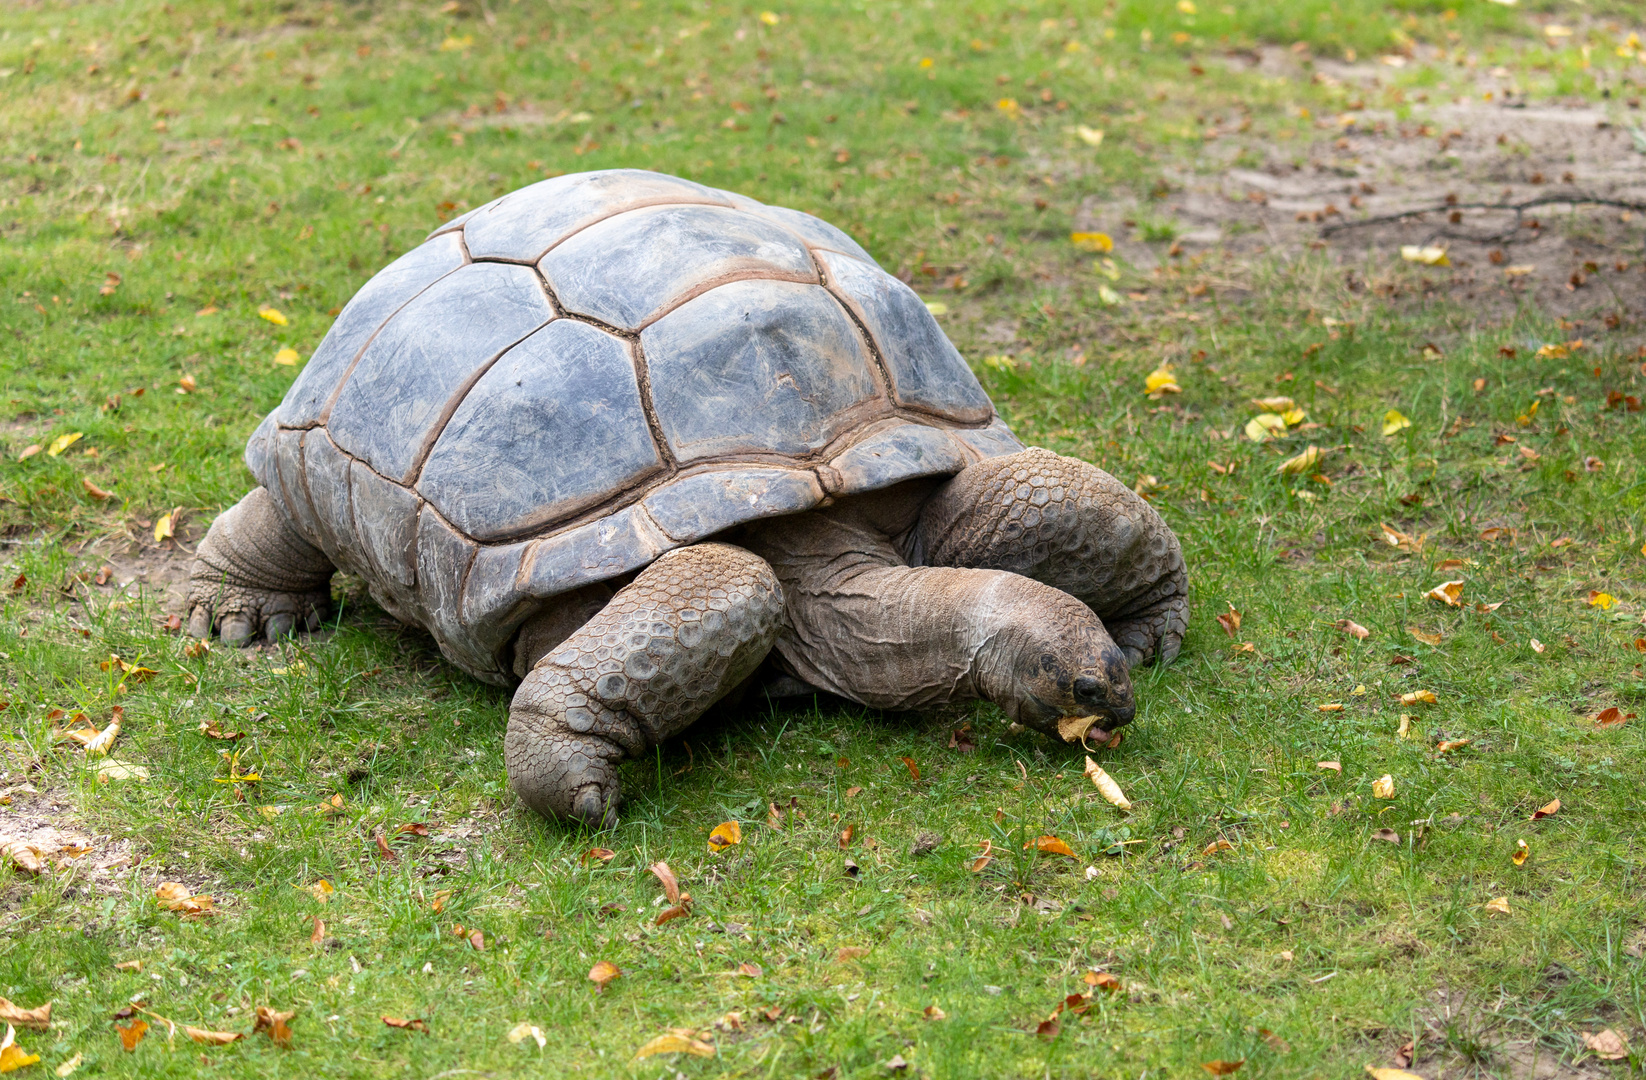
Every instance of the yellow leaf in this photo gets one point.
(1186, 6)
(1303, 462)
(1332, 706)
(273, 315)
(1392, 1074)
(211, 1038)
(63, 442)
(286, 357)
(1051, 845)
(1092, 241)
(770, 18)
(1405, 730)
(66, 1069)
(1074, 728)
(937, 307)
(1431, 255)
(1447, 592)
(1009, 106)
(1383, 787)
(1419, 697)
(1161, 381)
(523, 1031)
(1089, 136)
(1280, 405)
(1000, 362)
(99, 745)
(1106, 785)
(1108, 296)
(1449, 745)
(163, 527)
(452, 44)
(1522, 852)
(1603, 601)
(1216, 846)
(1424, 636)
(1265, 426)
(603, 972)
(13, 1056)
(1556, 31)
(675, 1043)
(1293, 417)
(1499, 905)
(1393, 422)
(724, 836)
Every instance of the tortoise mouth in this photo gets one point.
(1083, 728)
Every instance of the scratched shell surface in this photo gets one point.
(563, 384)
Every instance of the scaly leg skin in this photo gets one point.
(254, 574)
(1074, 527)
(691, 627)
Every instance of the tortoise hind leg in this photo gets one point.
(690, 628)
(254, 574)
(1068, 524)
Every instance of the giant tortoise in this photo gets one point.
(621, 437)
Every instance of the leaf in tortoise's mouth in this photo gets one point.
(1080, 728)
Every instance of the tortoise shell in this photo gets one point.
(561, 385)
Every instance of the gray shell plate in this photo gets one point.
(681, 360)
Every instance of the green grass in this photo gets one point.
(259, 154)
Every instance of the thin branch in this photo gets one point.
(1519, 210)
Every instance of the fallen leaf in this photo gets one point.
(724, 835)
(1050, 845)
(1335, 766)
(1302, 463)
(1161, 381)
(1447, 592)
(680, 1041)
(853, 792)
(1612, 717)
(914, 770)
(1353, 629)
(1230, 620)
(750, 971)
(1405, 729)
(603, 972)
(1392, 1074)
(1265, 426)
(1547, 810)
(211, 729)
(1424, 636)
(665, 876)
(29, 451)
(1521, 853)
(39, 1019)
(523, 1031)
(1449, 745)
(1216, 846)
(1404, 541)
(1331, 706)
(599, 854)
(1608, 1044)
(212, 1038)
(13, 1056)
(1275, 1041)
(187, 385)
(1106, 786)
(66, 1069)
(932, 1012)
(273, 315)
(1092, 241)
(1537, 646)
(63, 442)
(1429, 255)
(1603, 601)
(132, 1035)
(1048, 1029)
(286, 357)
(175, 896)
(1388, 836)
(1419, 697)
(1499, 905)
(129, 965)
(93, 490)
(1393, 421)
(850, 952)
(1383, 787)
(99, 745)
(406, 1025)
(844, 840)
(24, 858)
(163, 527)
(1222, 1068)
(983, 858)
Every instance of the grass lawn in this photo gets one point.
(169, 170)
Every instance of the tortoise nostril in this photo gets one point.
(1088, 691)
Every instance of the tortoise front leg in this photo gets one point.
(692, 626)
(253, 574)
(1070, 525)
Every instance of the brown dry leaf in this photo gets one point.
(1392, 1074)
(406, 1025)
(1353, 629)
(1547, 810)
(603, 972)
(24, 858)
(212, 1038)
(1383, 787)
(1521, 853)
(318, 934)
(1451, 744)
(1222, 1068)
(129, 965)
(724, 835)
(1405, 729)
(1403, 541)
(983, 859)
(212, 730)
(1230, 621)
(93, 490)
(276, 1025)
(678, 911)
(676, 1041)
(1612, 717)
(1608, 1044)
(1388, 836)
(599, 854)
(850, 952)
(749, 970)
(1424, 636)
(38, 1019)
(1537, 646)
(853, 792)
(1447, 592)
(1048, 1029)
(1499, 905)
(477, 941)
(1275, 1040)
(1102, 980)
(1216, 846)
(1105, 784)
(1051, 845)
(1335, 766)
(415, 828)
(932, 1012)
(384, 852)
(1419, 697)
(1330, 706)
(175, 896)
(131, 1036)
(665, 876)
(774, 817)
(914, 770)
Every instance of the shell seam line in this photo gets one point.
(325, 410)
(883, 373)
(702, 289)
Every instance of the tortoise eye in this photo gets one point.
(1047, 661)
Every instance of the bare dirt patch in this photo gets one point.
(1361, 185)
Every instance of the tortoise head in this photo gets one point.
(1054, 668)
